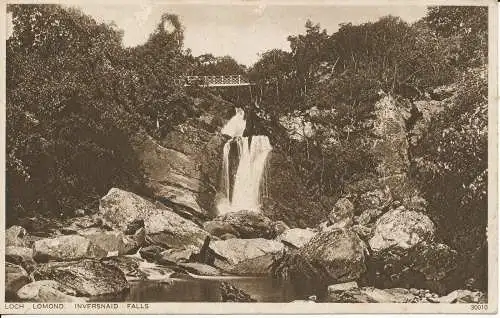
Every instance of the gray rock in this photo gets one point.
(368, 216)
(86, 277)
(329, 257)
(14, 236)
(19, 255)
(402, 229)
(163, 226)
(371, 295)
(66, 247)
(201, 269)
(363, 232)
(464, 296)
(342, 213)
(233, 251)
(48, 291)
(129, 265)
(280, 227)
(296, 237)
(111, 241)
(376, 199)
(243, 224)
(342, 286)
(434, 260)
(174, 256)
(15, 278)
(151, 253)
(219, 228)
(257, 266)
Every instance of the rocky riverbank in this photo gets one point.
(132, 238)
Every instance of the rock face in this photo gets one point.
(163, 227)
(342, 213)
(242, 224)
(231, 252)
(329, 257)
(15, 278)
(296, 237)
(391, 150)
(182, 169)
(14, 236)
(86, 277)
(43, 291)
(401, 228)
(66, 247)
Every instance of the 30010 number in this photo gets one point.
(479, 307)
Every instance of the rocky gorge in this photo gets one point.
(375, 243)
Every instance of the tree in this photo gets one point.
(468, 25)
(75, 98)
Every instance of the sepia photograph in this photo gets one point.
(282, 153)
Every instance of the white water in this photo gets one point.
(252, 156)
(236, 125)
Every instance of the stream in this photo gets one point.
(262, 289)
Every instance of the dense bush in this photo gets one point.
(75, 96)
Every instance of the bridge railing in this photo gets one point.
(214, 80)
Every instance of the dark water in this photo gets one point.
(204, 290)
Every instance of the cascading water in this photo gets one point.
(242, 190)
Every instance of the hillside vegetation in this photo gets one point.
(76, 98)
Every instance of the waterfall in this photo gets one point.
(243, 191)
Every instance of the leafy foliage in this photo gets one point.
(75, 97)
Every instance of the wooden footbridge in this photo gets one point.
(214, 81)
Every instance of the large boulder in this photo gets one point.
(425, 265)
(163, 226)
(296, 237)
(86, 277)
(19, 255)
(65, 248)
(14, 236)
(231, 252)
(15, 278)
(243, 224)
(111, 241)
(329, 257)
(48, 291)
(401, 228)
